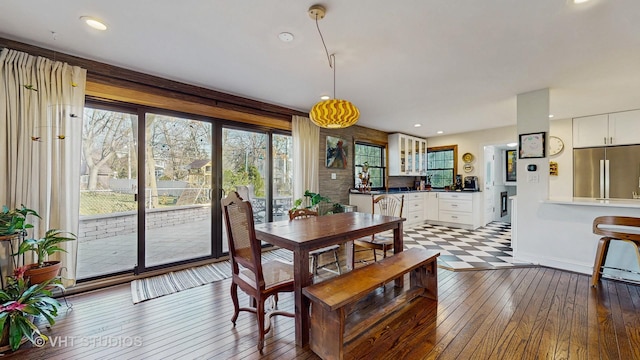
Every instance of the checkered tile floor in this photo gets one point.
(488, 247)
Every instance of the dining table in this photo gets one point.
(303, 235)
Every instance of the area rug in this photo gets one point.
(156, 286)
(488, 247)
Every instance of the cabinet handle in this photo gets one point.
(454, 205)
(605, 139)
(611, 141)
(454, 217)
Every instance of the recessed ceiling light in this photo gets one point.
(285, 36)
(550, 116)
(512, 144)
(94, 23)
(580, 1)
(325, 97)
(439, 132)
(417, 125)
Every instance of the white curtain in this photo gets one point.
(306, 155)
(41, 107)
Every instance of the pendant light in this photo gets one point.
(332, 113)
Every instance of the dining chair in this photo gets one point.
(258, 279)
(622, 228)
(389, 205)
(315, 254)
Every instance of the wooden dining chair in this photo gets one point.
(259, 280)
(613, 228)
(389, 205)
(315, 254)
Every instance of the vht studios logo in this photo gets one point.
(89, 341)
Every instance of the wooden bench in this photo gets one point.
(332, 300)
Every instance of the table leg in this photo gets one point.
(350, 253)
(302, 278)
(398, 247)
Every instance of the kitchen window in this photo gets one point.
(441, 165)
(372, 156)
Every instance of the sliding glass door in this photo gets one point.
(152, 183)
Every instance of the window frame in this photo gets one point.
(453, 148)
(383, 160)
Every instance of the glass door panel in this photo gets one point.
(178, 189)
(282, 176)
(108, 236)
(244, 169)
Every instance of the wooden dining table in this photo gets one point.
(303, 235)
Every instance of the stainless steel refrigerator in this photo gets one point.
(606, 172)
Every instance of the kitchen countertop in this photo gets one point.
(404, 190)
(627, 203)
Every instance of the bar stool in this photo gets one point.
(613, 228)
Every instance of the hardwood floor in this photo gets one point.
(524, 313)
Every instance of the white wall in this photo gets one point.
(474, 143)
(561, 186)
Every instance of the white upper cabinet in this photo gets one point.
(407, 155)
(621, 128)
(624, 128)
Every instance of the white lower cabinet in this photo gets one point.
(431, 206)
(458, 209)
(413, 208)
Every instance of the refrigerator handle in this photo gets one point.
(606, 179)
(602, 179)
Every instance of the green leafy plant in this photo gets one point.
(45, 246)
(14, 221)
(312, 200)
(22, 302)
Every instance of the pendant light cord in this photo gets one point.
(331, 58)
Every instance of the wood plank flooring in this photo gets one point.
(524, 313)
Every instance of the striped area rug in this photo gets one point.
(156, 286)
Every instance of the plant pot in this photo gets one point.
(38, 275)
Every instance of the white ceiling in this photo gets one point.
(451, 65)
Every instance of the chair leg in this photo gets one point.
(236, 305)
(375, 257)
(260, 316)
(335, 256)
(601, 255)
(314, 264)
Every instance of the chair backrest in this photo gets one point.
(245, 191)
(301, 213)
(617, 227)
(389, 205)
(243, 246)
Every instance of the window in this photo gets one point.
(373, 156)
(442, 165)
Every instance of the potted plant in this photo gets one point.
(15, 223)
(20, 303)
(313, 201)
(44, 270)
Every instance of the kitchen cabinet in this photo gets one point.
(459, 209)
(407, 155)
(413, 208)
(620, 128)
(431, 206)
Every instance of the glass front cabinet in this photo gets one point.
(407, 155)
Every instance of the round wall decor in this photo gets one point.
(467, 157)
(467, 168)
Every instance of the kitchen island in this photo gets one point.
(566, 239)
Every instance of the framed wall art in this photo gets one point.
(337, 153)
(511, 165)
(532, 145)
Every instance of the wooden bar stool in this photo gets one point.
(613, 228)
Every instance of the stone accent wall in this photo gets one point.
(103, 226)
(338, 190)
